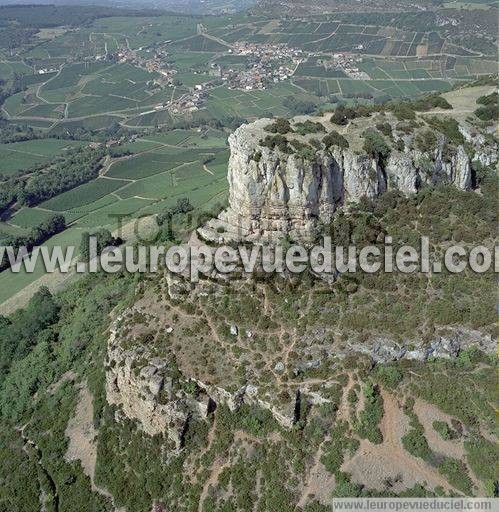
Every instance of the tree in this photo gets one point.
(104, 239)
(39, 234)
(309, 127)
(273, 141)
(77, 167)
(280, 125)
(375, 145)
(335, 139)
(342, 115)
(19, 335)
(183, 205)
(167, 233)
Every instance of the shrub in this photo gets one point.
(488, 112)
(280, 125)
(276, 141)
(309, 127)
(370, 417)
(104, 239)
(363, 111)
(342, 115)
(182, 207)
(303, 150)
(400, 144)
(443, 429)
(430, 102)
(448, 127)
(457, 475)
(375, 145)
(415, 441)
(384, 128)
(491, 99)
(257, 156)
(388, 375)
(426, 141)
(346, 489)
(405, 127)
(403, 111)
(482, 456)
(416, 444)
(335, 448)
(315, 143)
(335, 139)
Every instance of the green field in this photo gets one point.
(86, 87)
(165, 167)
(94, 93)
(12, 283)
(84, 194)
(20, 156)
(30, 217)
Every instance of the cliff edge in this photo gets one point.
(288, 184)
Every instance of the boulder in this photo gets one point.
(156, 384)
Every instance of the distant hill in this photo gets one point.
(182, 6)
(307, 8)
(45, 14)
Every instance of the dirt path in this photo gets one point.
(81, 434)
(319, 482)
(287, 349)
(427, 414)
(207, 170)
(376, 463)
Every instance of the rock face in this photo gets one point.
(137, 390)
(154, 392)
(275, 193)
(278, 193)
(164, 399)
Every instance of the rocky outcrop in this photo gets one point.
(485, 149)
(152, 391)
(445, 346)
(146, 389)
(402, 174)
(163, 398)
(361, 176)
(274, 193)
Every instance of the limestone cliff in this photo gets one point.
(156, 372)
(171, 359)
(163, 398)
(276, 192)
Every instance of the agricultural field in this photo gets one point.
(253, 104)
(142, 76)
(19, 156)
(12, 283)
(161, 168)
(85, 81)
